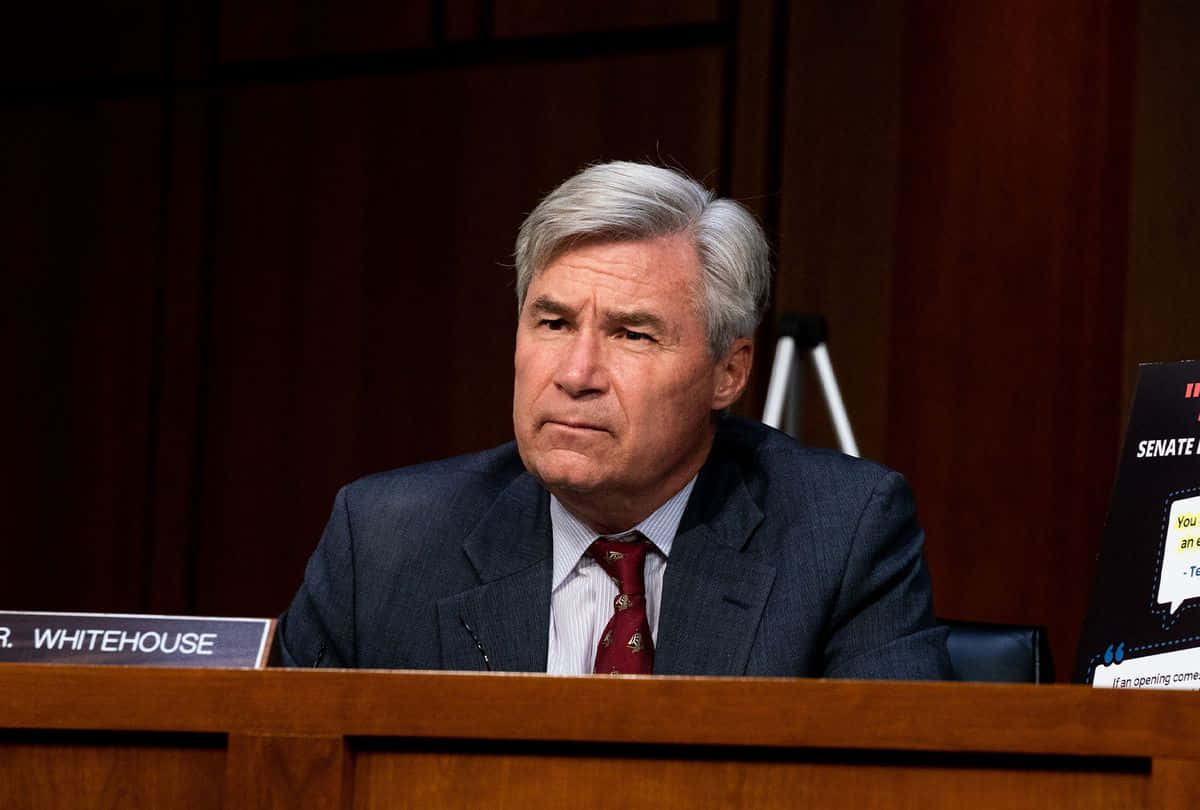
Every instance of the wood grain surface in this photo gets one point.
(1068, 720)
(97, 736)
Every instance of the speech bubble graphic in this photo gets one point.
(1179, 669)
(1179, 577)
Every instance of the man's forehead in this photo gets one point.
(682, 244)
(610, 303)
(630, 316)
(638, 269)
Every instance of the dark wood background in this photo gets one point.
(255, 250)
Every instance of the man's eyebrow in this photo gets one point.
(637, 317)
(544, 304)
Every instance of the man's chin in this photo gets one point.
(560, 482)
(566, 471)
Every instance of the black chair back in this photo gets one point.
(980, 651)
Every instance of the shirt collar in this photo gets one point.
(572, 537)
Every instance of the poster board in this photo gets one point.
(1143, 623)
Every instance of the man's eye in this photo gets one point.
(631, 335)
(553, 324)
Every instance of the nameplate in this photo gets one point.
(133, 639)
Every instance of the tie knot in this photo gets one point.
(622, 560)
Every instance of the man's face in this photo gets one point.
(615, 387)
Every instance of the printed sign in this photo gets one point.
(124, 638)
(1143, 627)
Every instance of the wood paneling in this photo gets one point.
(377, 739)
(106, 772)
(272, 772)
(1173, 786)
(518, 18)
(81, 212)
(1164, 254)
(506, 780)
(754, 101)
(754, 104)
(176, 459)
(288, 29)
(838, 189)
(362, 309)
(1004, 377)
(46, 41)
(410, 709)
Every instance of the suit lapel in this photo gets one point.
(509, 613)
(713, 592)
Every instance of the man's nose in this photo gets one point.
(581, 370)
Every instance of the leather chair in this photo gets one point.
(1010, 653)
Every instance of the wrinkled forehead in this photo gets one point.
(674, 252)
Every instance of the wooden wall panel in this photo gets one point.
(285, 29)
(102, 771)
(176, 460)
(837, 214)
(1004, 384)
(1164, 255)
(99, 39)
(362, 309)
(517, 18)
(437, 780)
(755, 103)
(80, 212)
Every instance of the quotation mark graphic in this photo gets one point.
(1117, 655)
(1193, 390)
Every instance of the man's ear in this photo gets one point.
(733, 373)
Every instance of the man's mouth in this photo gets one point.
(576, 424)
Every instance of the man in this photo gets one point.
(632, 526)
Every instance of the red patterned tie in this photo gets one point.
(626, 646)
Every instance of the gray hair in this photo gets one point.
(626, 202)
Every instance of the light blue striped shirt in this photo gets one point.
(581, 594)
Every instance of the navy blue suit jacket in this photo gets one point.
(788, 561)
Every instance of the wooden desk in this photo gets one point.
(92, 737)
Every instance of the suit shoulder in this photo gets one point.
(465, 482)
(771, 460)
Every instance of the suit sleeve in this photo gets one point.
(318, 629)
(883, 622)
